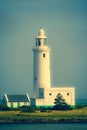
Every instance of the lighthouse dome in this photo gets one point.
(41, 33)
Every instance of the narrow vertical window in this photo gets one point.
(35, 78)
(41, 94)
(39, 42)
(44, 55)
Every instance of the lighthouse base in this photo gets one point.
(50, 95)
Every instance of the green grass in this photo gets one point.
(75, 115)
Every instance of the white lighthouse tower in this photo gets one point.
(41, 66)
(43, 94)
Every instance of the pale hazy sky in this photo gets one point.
(65, 24)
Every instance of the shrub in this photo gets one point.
(28, 109)
(60, 103)
(43, 109)
(4, 107)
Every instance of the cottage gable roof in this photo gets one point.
(17, 98)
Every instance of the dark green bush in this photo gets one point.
(42, 109)
(60, 103)
(28, 108)
(4, 107)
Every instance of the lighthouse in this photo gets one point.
(43, 93)
(41, 65)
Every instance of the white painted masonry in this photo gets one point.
(43, 93)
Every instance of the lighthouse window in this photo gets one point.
(44, 55)
(41, 94)
(67, 94)
(35, 78)
(39, 42)
(36, 43)
(50, 94)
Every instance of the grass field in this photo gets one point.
(71, 116)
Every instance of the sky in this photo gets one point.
(65, 25)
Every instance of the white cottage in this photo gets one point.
(16, 101)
